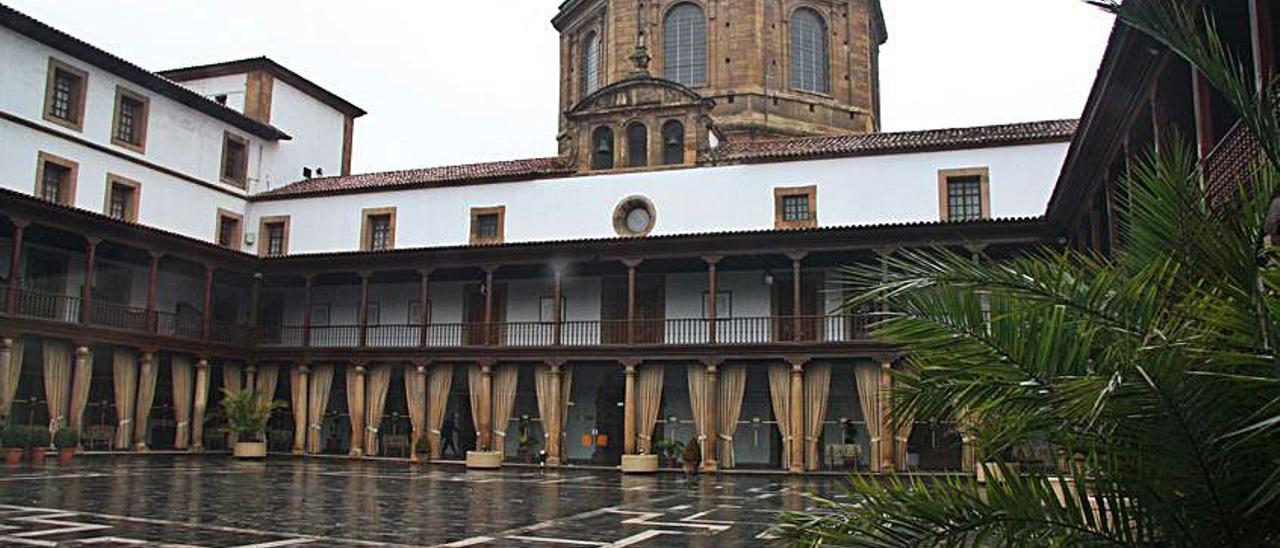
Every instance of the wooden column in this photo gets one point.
(424, 308)
(713, 286)
(199, 405)
(797, 296)
(356, 401)
(797, 415)
(153, 279)
(887, 432)
(484, 422)
(208, 301)
(558, 307)
(556, 425)
(86, 291)
(712, 401)
(362, 335)
(301, 406)
(307, 295)
(1263, 30)
(1202, 99)
(629, 408)
(631, 298)
(15, 265)
(490, 336)
(255, 301)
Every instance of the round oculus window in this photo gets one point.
(634, 216)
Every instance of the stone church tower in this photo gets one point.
(753, 69)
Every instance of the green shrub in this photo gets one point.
(66, 438)
(38, 436)
(247, 414)
(692, 452)
(13, 437)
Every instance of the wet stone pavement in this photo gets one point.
(214, 501)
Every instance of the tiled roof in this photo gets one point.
(906, 141)
(425, 177)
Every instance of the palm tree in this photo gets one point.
(1151, 375)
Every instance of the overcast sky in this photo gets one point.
(459, 82)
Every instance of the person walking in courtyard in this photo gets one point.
(448, 433)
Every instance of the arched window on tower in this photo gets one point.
(590, 64)
(673, 143)
(637, 145)
(602, 148)
(684, 45)
(809, 52)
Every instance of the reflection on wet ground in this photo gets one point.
(215, 501)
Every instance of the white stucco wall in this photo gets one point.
(316, 129)
(234, 86)
(851, 191)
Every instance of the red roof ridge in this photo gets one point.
(421, 177)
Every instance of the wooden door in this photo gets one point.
(811, 309)
(473, 316)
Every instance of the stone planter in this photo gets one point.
(13, 456)
(65, 456)
(639, 464)
(250, 450)
(484, 460)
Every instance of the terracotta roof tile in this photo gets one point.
(906, 141)
(425, 177)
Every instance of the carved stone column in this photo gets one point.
(485, 421)
(199, 405)
(796, 465)
(146, 385)
(712, 401)
(629, 409)
(299, 392)
(6, 352)
(556, 424)
(355, 404)
(887, 423)
(251, 377)
(80, 380)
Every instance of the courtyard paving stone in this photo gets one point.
(214, 501)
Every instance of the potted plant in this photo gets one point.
(66, 440)
(692, 456)
(38, 440)
(247, 416)
(527, 443)
(14, 441)
(671, 450)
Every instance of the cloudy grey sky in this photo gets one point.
(457, 82)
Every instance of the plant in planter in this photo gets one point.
(692, 456)
(38, 440)
(67, 441)
(671, 450)
(528, 444)
(14, 441)
(247, 416)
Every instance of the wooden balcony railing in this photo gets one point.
(643, 332)
(837, 329)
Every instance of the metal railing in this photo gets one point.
(30, 303)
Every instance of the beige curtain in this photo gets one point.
(780, 396)
(298, 401)
(817, 388)
(57, 382)
(649, 404)
(868, 380)
(504, 400)
(697, 374)
(355, 409)
(232, 378)
(183, 378)
(318, 403)
(438, 386)
(147, 374)
(10, 374)
(200, 404)
(80, 385)
(548, 410)
(415, 392)
(124, 375)
(733, 384)
(475, 383)
(266, 381)
(377, 384)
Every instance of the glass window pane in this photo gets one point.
(809, 52)
(684, 58)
